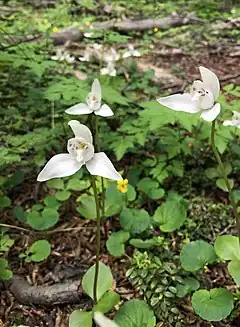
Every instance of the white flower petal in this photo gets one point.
(210, 81)
(80, 130)
(179, 102)
(136, 53)
(205, 101)
(79, 109)
(104, 71)
(211, 114)
(103, 321)
(104, 111)
(96, 90)
(61, 165)
(126, 54)
(228, 123)
(100, 165)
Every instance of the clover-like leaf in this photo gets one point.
(43, 220)
(213, 305)
(195, 255)
(105, 280)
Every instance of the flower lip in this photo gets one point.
(80, 149)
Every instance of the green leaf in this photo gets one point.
(107, 302)
(63, 195)
(51, 202)
(151, 188)
(135, 313)
(104, 282)
(220, 182)
(170, 215)
(5, 273)
(213, 305)
(134, 220)
(195, 255)
(234, 270)
(211, 173)
(20, 214)
(78, 185)
(142, 244)
(38, 251)
(41, 221)
(80, 318)
(56, 183)
(227, 247)
(5, 243)
(188, 285)
(5, 202)
(116, 243)
(131, 193)
(87, 206)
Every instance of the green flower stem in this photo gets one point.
(98, 237)
(224, 176)
(97, 144)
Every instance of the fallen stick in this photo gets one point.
(59, 293)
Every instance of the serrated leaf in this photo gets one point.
(134, 220)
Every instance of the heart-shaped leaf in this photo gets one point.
(107, 302)
(38, 251)
(80, 318)
(227, 247)
(116, 243)
(234, 270)
(195, 255)
(213, 305)
(134, 220)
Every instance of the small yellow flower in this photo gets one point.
(155, 30)
(122, 186)
(55, 29)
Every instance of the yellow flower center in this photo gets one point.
(122, 186)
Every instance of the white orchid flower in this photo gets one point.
(61, 56)
(202, 97)
(80, 152)
(93, 104)
(103, 321)
(109, 70)
(131, 52)
(111, 56)
(235, 120)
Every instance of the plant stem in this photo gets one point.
(98, 237)
(224, 176)
(97, 144)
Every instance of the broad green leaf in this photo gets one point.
(234, 270)
(170, 215)
(5, 243)
(135, 313)
(195, 255)
(134, 220)
(80, 318)
(220, 182)
(5, 202)
(51, 202)
(211, 173)
(104, 283)
(131, 193)
(20, 214)
(63, 195)
(151, 188)
(38, 251)
(213, 305)
(188, 285)
(227, 247)
(116, 243)
(142, 244)
(41, 221)
(5, 273)
(87, 206)
(56, 183)
(107, 302)
(78, 185)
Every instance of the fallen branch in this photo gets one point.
(59, 293)
(74, 34)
